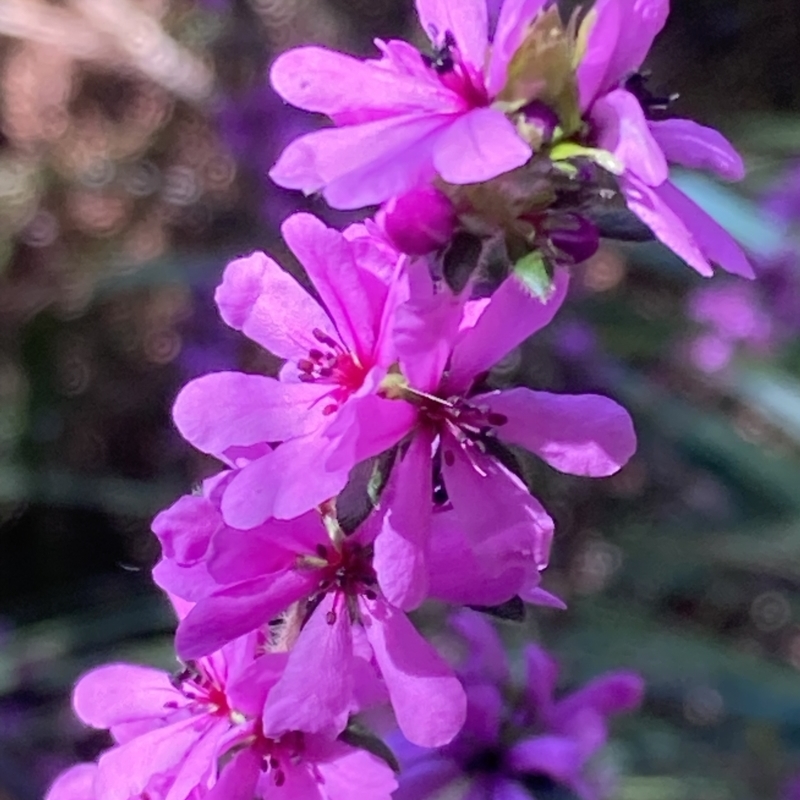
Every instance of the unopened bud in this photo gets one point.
(418, 221)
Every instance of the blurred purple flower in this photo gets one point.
(505, 751)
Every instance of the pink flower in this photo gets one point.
(621, 113)
(336, 357)
(404, 118)
(75, 783)
(353, 647)
(442, 364)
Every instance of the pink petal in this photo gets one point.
(124, 771)
(489, 499)
(557, 756)
(697, 147)
(512, 315)
(269, 306)
(485, 712)
(365, 164)
(401, 548)
(612, 693)
(274, 546)
(190, 583)
(225, 409)
(425, 328)
(248, 691)
(328, 259)
(623, 130)
(239, 609)
(349, 773)
(602, 38)
(479, 145)
(76, 783)
(118, 693)
(539, 597)
(428, 700)
(355, 90)
(199, 764)
(286, 483)
(239, 778)
(512, 24)
(427, 778)
(315, 693)
(643, 21)
(583, 434)
(300, 784)
(665, 223)
(717, 245)
(467, 21)
(185, 528)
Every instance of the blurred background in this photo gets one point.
(135, 136)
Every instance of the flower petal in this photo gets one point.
(605, 20)
(236, 610)
(559, 757)
(350, 773)
(623, 130)
(612, 693)
(478, 146)
(353, 90)
(467, 20)
(541, 672)
(583, 434)
(717, 245)
(118, 693)
(643, 21)
(697, 147)
(75, 783)
(285, 483)
(239, 778)
(270, 307)
(185, 528)
(489, 499)
(315, 692)
(486, 660)
(232, 409)
(428, 700)
(511, 316)
(365, 164)
(668, 227)
(401, 548)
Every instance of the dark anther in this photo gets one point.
(330, 617)
(496, 419)
(304, 365)
(370, 594)
(273, 762)
(654, 107)
(442, 59)
(449, 458)
(280, 778)
(323, 338)
(322, 551)
(316, 355)
(329, 409)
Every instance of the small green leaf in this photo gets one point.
(531, 269)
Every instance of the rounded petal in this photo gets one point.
(697, 147)
(623, 130)
(185, 528)
(401, 548)
(75, 783)
(239, 778)
(365, 164)
(467, 20)
(559, 757)
(270, 307)
(612, 693)
(350, 89)
(584, 434)
(541, 672)
(428, 700)
(478, 146)
(316, 691)
(511, 316)
(232, 409)
(118, 693)
(605, 21)
(350, 773)
(486, 659)
(236, 610)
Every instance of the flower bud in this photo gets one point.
(418, 221)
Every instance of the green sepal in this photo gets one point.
(532, 270)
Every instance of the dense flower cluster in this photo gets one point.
(375, 470)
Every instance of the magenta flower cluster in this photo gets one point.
(375, 471)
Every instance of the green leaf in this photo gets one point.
(532, 271)
(568, 150)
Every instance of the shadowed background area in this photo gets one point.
(135, 136)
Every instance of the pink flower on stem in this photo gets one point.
(404, 118)
(349, 636)
(337, 355)
(621, 114)
(441, 363)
